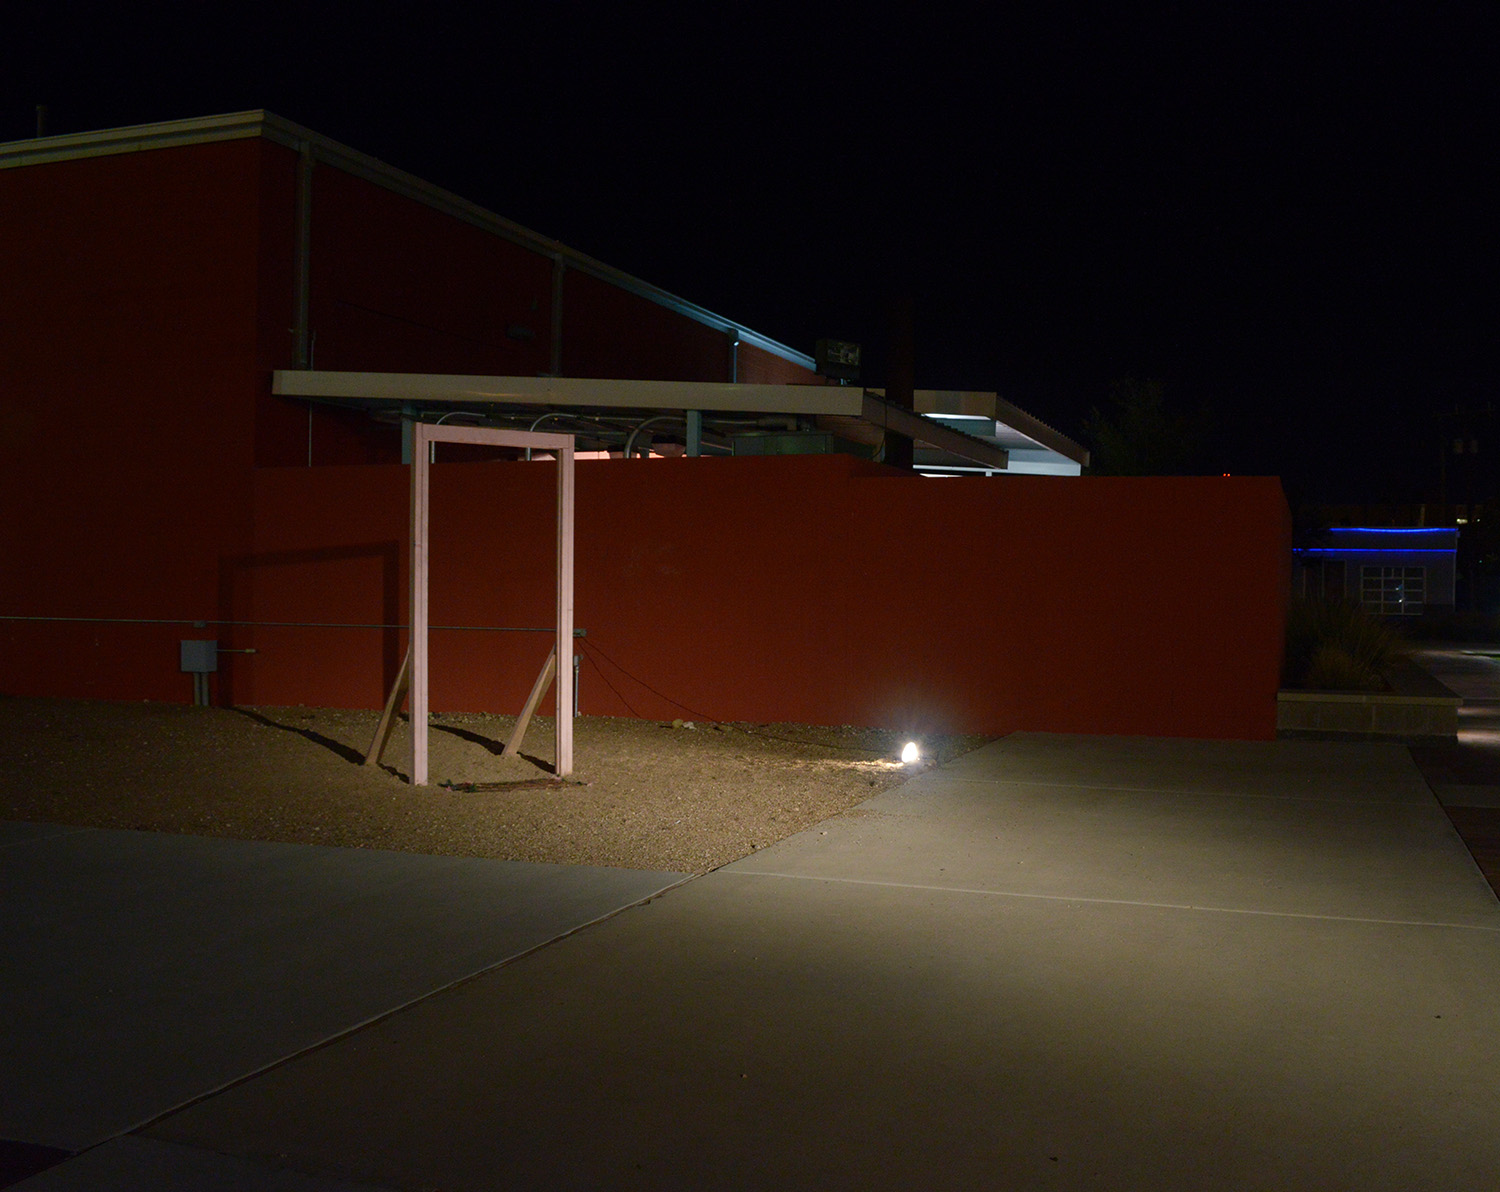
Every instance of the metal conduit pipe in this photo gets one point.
(721, 423)
(432, 447)
(541, 418)
(640, 426)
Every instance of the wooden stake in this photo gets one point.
(392, 706)
(523, 721)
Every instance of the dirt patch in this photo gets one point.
(644, 795)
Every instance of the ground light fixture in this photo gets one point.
(910, 753)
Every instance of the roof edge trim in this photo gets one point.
(133, 138)
(1034, 428)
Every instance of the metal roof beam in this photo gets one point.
(457, 390)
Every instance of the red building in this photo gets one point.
(165, 282)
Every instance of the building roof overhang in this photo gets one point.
(859, 415)
(955, 431)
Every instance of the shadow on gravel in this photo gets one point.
(347, 752)
(497, 749)
(494, 747)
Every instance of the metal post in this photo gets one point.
(555, 356)
(408, 416)
(900, 382)
(694, 432)
(302, 279)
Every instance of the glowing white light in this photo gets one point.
(910, 753)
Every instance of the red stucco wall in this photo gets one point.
(760, 367)
(608, 332)
(128, 341)
(811, 589)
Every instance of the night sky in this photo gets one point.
(1285, 213)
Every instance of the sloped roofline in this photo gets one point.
(260, 123)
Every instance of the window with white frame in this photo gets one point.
(1393, 591)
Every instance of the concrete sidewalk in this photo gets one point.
(1059, 963)
(145, 970)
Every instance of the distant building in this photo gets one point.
(1391, 572)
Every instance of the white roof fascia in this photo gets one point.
(921, 429)
(1042, 463)
(992, 405)
(457, 390)
(1039, 432)
(258, 123)
(133, 139)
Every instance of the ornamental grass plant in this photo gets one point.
(1337, 646)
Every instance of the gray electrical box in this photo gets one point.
(200, 658)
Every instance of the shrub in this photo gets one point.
(1337, 646)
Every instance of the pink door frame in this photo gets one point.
(423, 435)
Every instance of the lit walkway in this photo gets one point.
(1061, 962)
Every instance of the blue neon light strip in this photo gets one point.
(1378, 530)
(1375, 550)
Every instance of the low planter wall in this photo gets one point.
(1418, 711)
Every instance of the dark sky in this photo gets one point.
(1286, 213)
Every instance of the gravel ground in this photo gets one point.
(643, 795)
